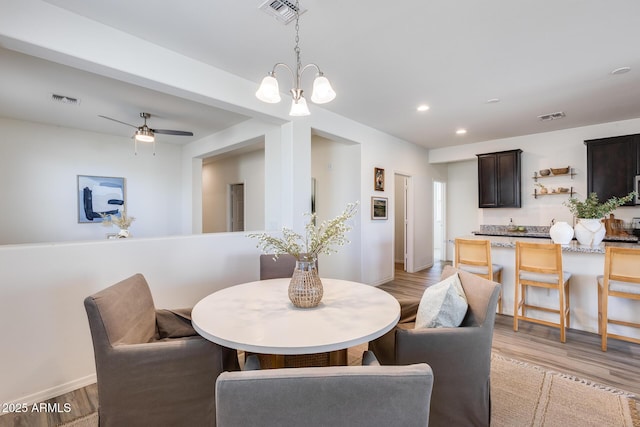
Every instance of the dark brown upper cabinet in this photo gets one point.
(612, 165)
(499, 181)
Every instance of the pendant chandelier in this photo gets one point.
(322, 91)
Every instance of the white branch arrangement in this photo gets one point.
(321, 239)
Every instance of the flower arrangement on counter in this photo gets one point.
(594, 209)
(123, 221)
(318, 239)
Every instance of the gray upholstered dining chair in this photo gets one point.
(152, 368)
(460, 357)
(330, 396)
(276, 268)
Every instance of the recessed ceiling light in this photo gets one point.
(423, 107)
(621, 70)
(461, 131)
(493, 100)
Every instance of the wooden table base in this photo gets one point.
(333, 358)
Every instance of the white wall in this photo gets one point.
(39, 165)
(46, 346)
(540, 151)
(336, 168)
(218, 175)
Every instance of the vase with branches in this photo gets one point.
(317, 239)
(305, 288)
(122, 221)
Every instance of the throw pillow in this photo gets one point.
(443, 305)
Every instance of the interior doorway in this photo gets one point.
(402, 224)
(439, 215)
(236, 207)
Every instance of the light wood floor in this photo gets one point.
(580, 356)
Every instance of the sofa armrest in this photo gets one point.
(159, 361)
(441, 344)
(157, 380)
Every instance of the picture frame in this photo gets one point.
(99, 195)
(379, 208)
(378, 179)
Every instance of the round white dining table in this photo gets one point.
(258, 317)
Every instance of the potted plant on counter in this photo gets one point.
(589, 229)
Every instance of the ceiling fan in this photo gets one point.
(145, 134)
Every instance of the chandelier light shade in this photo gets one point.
(322, 91)
(299, 108)
(269, 91)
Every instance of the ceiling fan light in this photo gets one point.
(322, 90)
(299, 107)
(269, 91)
(144, 135)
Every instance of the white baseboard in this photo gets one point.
(382, 282)
(58, 390)
(421, 267)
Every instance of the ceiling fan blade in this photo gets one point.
(172, 132)
(109, 118)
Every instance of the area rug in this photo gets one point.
(527, 395)
(90, 420)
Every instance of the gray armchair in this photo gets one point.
(281, 267)
(460, 357)
(330, 396)
(152, 368)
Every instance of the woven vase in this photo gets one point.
(305, 288)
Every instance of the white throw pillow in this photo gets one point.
(443, 305)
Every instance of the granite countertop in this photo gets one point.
(509, 242)
(537, 231)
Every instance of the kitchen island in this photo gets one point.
(584, 263)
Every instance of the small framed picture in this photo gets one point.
(378, 208)
(378, 179)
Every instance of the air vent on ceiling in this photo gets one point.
(283, 10)
(552, 116)
(65, 99)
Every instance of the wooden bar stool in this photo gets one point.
(474, 256)
(621, 280)
(540, 265)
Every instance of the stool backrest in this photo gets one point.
(474, 252)
(543, 258)
(622, 264)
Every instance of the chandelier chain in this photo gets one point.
(296, 49)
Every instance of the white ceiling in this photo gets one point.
(34, 80)
(383, 59)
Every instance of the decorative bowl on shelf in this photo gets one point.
(560, 171)
(563, 190)
(545, 172)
